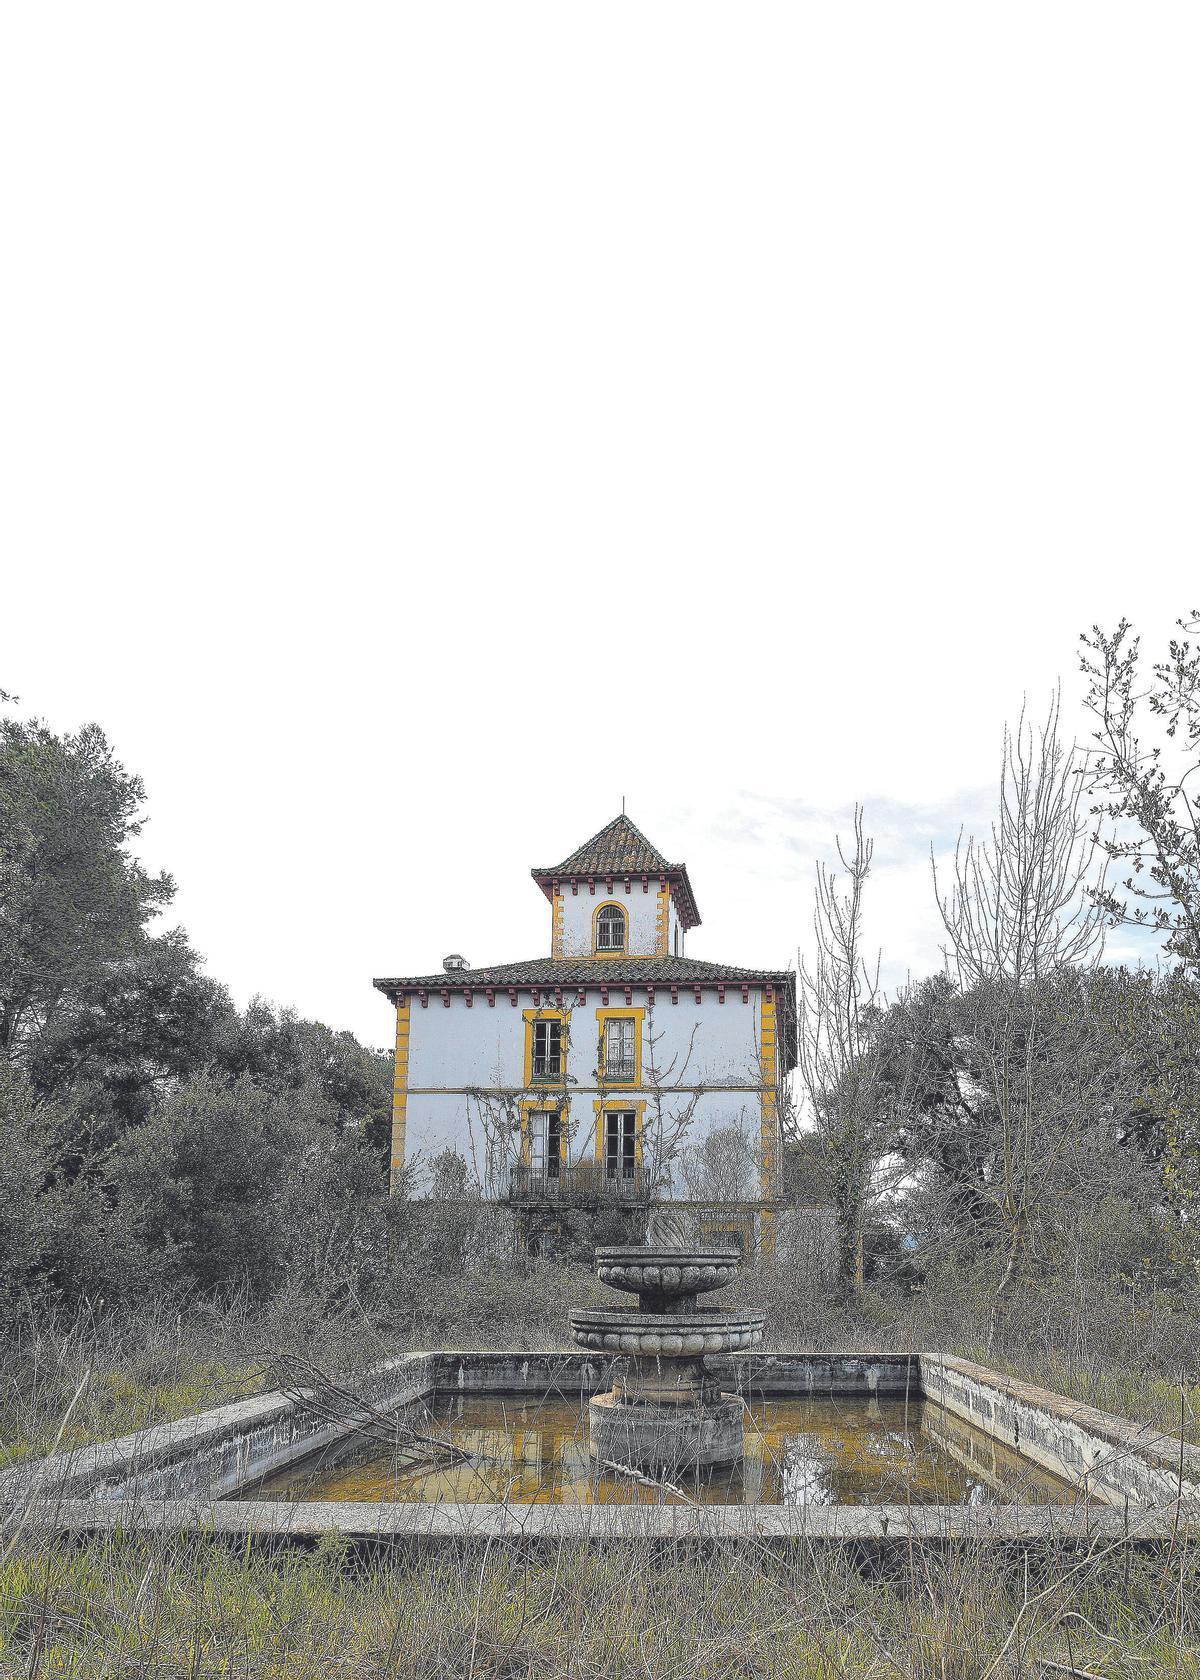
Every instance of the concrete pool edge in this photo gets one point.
(216, 1451)
(1117, 1460)
(180, 1475)
(591, 1524)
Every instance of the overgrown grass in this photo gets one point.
(108, 1373)
(201, 1609)
(179, 1606)
(120, 1371)
(95, 1376)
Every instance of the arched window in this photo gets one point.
(610, 928)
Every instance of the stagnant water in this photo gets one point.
(798, 1452)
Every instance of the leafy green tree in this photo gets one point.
(59, 1237)
(1022, 1114)
(132, 1033)
(230, 1184)
(74, 901)
(1156, 1019)
(27, 1155)
(282, 1051)
(1147, 750)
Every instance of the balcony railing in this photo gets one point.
(587, 1182)
(547, 1067)
(620, 1070)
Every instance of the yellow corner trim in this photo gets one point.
(557, 922)
(662, 925)
(769, 1103)
(400, 1092)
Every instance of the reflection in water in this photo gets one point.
(798, 1452)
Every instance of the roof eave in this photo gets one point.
(676, 873)
(784, 979)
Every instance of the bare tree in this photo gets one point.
(1019, 918)
(1143, 785)
(493, 1132)
(721, 1167)
(1018, 906)
(494, 1113)
(838, 1000)
(670, 1110)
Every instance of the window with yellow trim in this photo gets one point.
(547, 1142)
(612, 926)
(547, 1049)
(618, 1049)
(546, 1043)
(620, 1144)
(620, 1046)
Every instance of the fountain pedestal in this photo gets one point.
(663, 1410)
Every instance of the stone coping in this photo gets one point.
(589, 1524)
(234, 1443)
(1119, 1458)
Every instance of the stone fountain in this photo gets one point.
(663, 1409)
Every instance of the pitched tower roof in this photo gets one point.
(620, 848)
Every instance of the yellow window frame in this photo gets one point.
(529, 1106)
(562, 1016)
(603, 1017)
(603, 1105)
(609, 904)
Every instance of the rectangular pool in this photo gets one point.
(514, 1448)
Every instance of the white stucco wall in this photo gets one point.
(641, 906)
(466, 1069)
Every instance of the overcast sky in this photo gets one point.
(424, 425)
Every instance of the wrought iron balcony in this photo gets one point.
(620, 1070)
(547, 1067)
(587, 1182)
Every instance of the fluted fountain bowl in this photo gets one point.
(667, 1271)
(664, 1406)
(675, 1335)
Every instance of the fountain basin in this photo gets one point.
(666, 1335)
(650, 1437)
(203, 1474)
(664, 1413)
(672, 1271)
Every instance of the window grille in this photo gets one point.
(619, 1058)
(610, 928)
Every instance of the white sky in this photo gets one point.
(422, 425)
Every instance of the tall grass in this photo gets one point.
(162, 1607)
(1108, 1346)
(165, 1606)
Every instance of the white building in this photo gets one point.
(616, 1070)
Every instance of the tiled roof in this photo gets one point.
(619, 847)
(593, 972)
